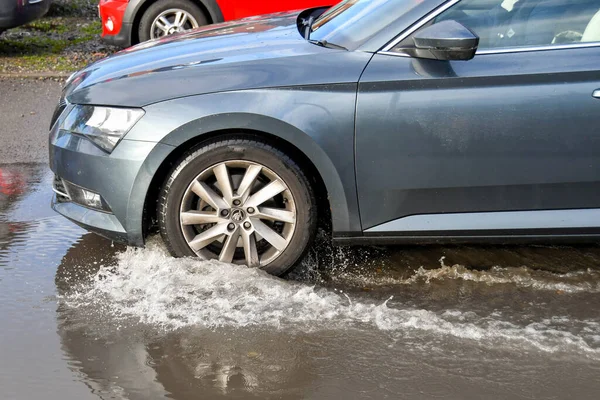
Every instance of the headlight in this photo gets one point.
(104, 126)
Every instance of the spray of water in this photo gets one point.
(157, 289)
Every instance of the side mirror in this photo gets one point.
(447, 40)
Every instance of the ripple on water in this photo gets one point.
(578, 281)
(571, 282)
(151, 286)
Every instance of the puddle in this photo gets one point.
(154, 288)
(84, 318)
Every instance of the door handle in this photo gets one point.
(596, 93)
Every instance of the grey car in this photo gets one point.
(386, 121)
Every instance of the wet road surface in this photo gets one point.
(83, 318)
(26, 107)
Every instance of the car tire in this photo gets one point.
(163, 6)
(296, 202)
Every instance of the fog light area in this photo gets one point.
(79, 195)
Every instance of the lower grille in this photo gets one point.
(61, 191)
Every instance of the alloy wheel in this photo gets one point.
(238, 211)
(172, 21)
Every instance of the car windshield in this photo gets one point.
(353, 22)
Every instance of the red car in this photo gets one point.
(128, 22)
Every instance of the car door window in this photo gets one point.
(502, 24)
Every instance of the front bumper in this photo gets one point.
(121, 39)
(116, 30)
(122, 178)
(104, 224)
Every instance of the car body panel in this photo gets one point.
(216, 59)
(495, 133)
(173, 123)
(78, 161)
(237, 9)
(116, 11)
(317, 120)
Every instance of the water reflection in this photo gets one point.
(126, 358)
(15, 180)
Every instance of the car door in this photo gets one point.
(509, 137)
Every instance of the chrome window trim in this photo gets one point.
(394, 53)
(513, 49)
(539, 48)
(387, 49)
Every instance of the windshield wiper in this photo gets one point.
(325, 43)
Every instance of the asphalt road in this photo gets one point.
(26, 107)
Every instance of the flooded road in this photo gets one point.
(83, 318)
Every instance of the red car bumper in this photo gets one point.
(113, 28)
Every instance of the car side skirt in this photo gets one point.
(579, 225)
(465, 238)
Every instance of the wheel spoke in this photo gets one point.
(178, 18)
(269, 234)
(276, 214)
(194, 217)
(208, 236)
(163, 24)
(183, 21)
(224, 181)
(248, 180)
(266, 193)
(162, 27)
(209, 195)
(229, 247)
(249, 241)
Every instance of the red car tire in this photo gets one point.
(167, 10)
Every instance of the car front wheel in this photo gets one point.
(239, 201)
(166, 17)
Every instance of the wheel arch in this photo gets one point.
(137, 8)
(288, 139)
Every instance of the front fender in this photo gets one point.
(318, 121)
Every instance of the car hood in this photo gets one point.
(251, 53)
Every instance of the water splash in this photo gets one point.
(155, 288)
